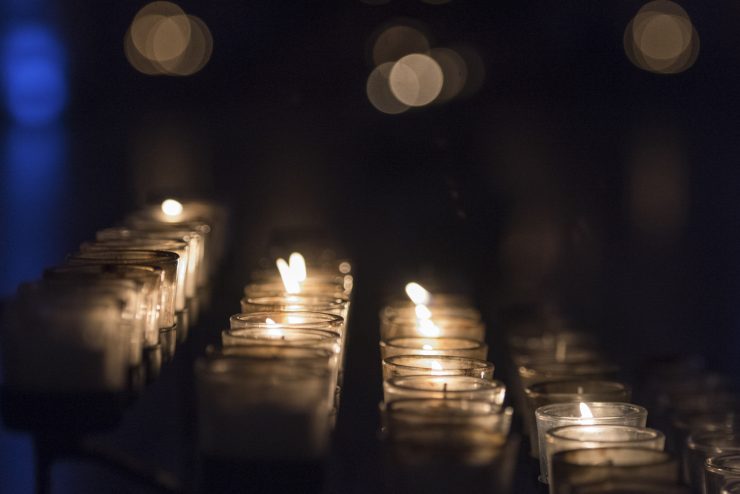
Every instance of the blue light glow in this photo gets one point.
(33, 74)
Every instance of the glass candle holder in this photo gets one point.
(436, 327)
(630, 487)
(585, 390)
(704, 445)
(588, 466)
(191, 237)
(405, 310)
(572, 437)
(401, 415)
(166, 261)
(556, 415)
(552, 370)
(148, 279)
(273, 412)
(67, 341)
(178, 247)
(322, 359)
(720, 469)
(453, 347)
(444, 387)
(685, 424)
(415, 365)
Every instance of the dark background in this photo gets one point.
(571, 180)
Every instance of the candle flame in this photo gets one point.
(427, 328)
(286, 274)
(417, 293)
(426, 347)
(435, 365)
(297, 266)
(422, 312)
(171, 207)
(585, 411)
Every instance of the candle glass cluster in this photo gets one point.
(102, 322)
(443, 414)
(271, 391)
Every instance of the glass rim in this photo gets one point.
(143, 232)
(332, 320)
(330, 300)
(715, 463)
(488, 385)
(535, 390)
(699, 440)
(593, 367)
(472, 344)
(630, 409)
(324, 333)
(479, 364)
(650, 434)
(129, 243)
(662, 457)
(136, 256)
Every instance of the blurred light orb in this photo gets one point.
(416, 79)
(397, 41)
(164, 40)
(379, 91)
(171, 207)
(454, 70)
(33, 72)
(661, 38)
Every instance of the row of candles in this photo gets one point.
(105, 320)
(271, 391)
(442, 406)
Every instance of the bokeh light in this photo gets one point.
(33, 74)
(396, 41)
(661, 38)
(416, 79)
(379, 91)
(163, 40)
(454, 69)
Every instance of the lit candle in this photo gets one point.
(594, 413)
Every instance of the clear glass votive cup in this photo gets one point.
(703, 445)
(149, 278)
(411, 365)
(556, 415)
(587, 466)
(248, 413)
(401, 415)
(167, 261)
(572, 437)
(178, 247)
(444, 387)
(720, 469)
(583, 390)
(191, 237)
(453, 347)
(320, 288)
